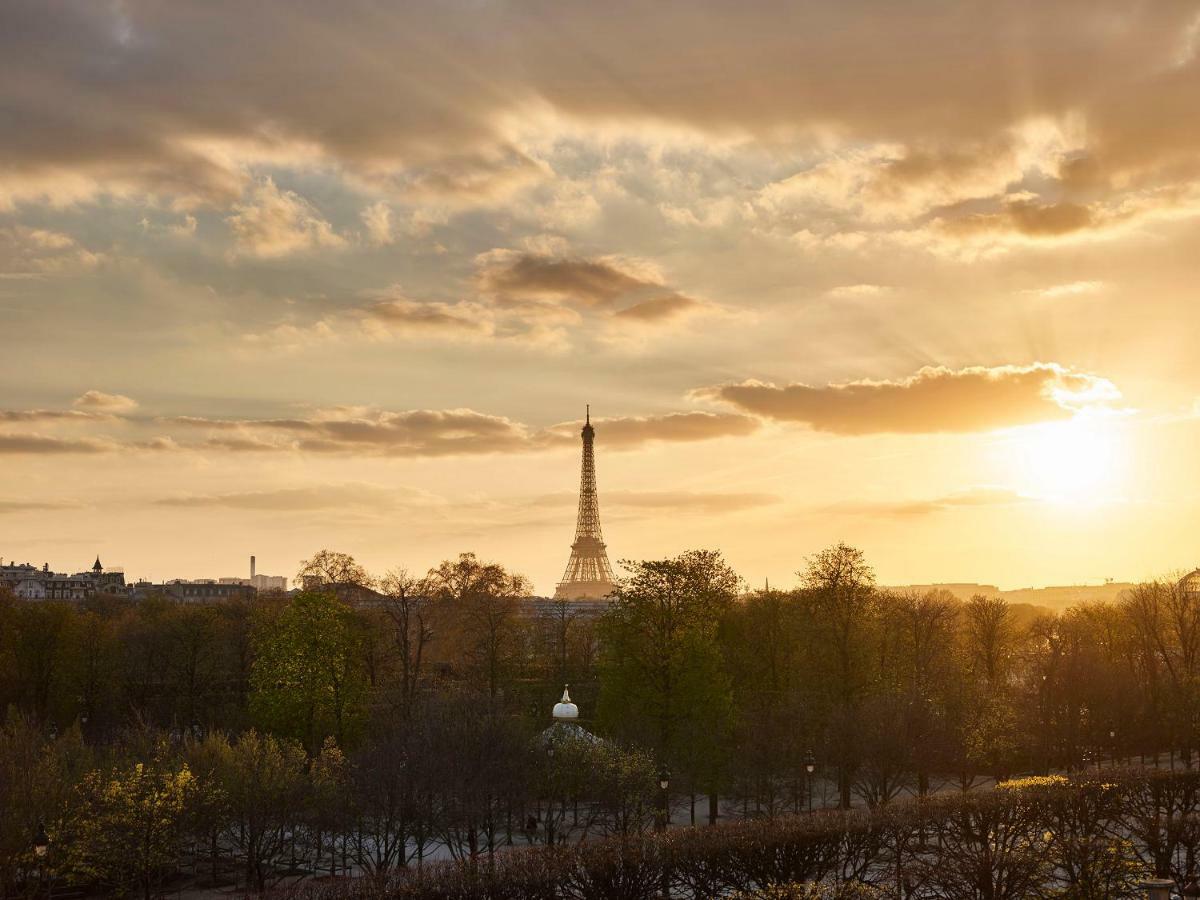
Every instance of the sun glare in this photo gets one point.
(1077, 461)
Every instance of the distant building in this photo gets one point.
(1189, 584)
(548, 607)
(205, 591)
(264, 583)
(28, 582)
(261, 583)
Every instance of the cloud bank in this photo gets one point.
(935, 399)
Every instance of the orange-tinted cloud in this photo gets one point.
(100, 401)
(935, 399)
(974, 498)
(670, 428)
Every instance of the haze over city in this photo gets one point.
(277, 277)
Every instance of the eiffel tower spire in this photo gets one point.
(588, 575)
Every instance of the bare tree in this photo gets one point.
(407, 608)
(328, 567)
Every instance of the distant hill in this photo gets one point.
(1055, 598)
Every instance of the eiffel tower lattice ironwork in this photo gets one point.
(588, 575)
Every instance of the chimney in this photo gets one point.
(251, 568)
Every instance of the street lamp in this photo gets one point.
(664, 785)
(810, 765)
(41, 846)
(664, 819)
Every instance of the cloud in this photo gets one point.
(273, 223)
(634, 431)
(37, 252)
(19, 506)
(657, 309)
(510, 275)
(400, 315)
(99, 401)
(134, 99)
(1068, 289)
(687, 501)
(377, 219)
(935, 399)
(487, 174)
(625, 291)
(973, 498)
(1027, 218)
(314, 497)
(851, 291)
(431, 433)
(43, 444)
(48, 415)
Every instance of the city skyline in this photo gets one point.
(349, 281)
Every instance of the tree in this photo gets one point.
(306, 679)
(407, 609)
(38, 780)
(478, 609)
(266, 784)
(663, 679)
(328, 567)
(130, 824)
(839, 587)
(775, 723)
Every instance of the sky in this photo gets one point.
(917, 276)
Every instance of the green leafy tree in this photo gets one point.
(663, 677)
(38, 778)
(265, 782)
(307, 680)
(129, 827)
(839, 587)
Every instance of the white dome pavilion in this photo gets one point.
(564, 708)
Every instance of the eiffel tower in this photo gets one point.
(588, 575)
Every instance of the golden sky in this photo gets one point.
(919, 276)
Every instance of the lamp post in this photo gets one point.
(810, 765)
(664, 798)
(1112, 743)
(664, 819)
(41, 847)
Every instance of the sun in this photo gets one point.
(1080, 460)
